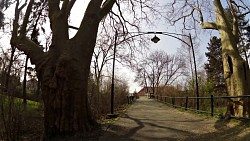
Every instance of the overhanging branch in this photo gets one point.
(209, 25)
(31, 49)
(184, 16)
(21, 42)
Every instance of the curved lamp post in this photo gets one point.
(155, 39)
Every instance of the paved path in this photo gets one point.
(148, 120)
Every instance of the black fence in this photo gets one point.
(213, 105)
(131, 99)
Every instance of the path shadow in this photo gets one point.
(223, 132)
(119, 133)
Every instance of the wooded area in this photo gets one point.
(70, 76)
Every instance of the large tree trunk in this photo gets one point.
(66, 109)
(236, 74)
(236, 70)
(64, 89)
(64, 70)
(65, 83)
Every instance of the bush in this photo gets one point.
(11, 119)
(100, 101)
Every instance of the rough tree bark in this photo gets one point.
(64, 69)
(236, 70)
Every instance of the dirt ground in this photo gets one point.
(149, 120)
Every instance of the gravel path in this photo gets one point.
(148, 120)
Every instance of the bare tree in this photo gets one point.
(159, 68)
(187, 55)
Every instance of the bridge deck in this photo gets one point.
(148, 120)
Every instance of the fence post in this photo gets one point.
(174, 102)
(128, 99)
(186, 106)
(165, 100)
(212, 105)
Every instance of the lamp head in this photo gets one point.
(155, 39)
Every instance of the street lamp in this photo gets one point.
(155, 39)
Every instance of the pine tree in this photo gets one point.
(214, 67)
(244, 41)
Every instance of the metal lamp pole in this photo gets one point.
(196, 76)
(113, 73)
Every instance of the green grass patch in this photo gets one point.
(121, 111)
(33, 105)
(220, 110)
(30, 104)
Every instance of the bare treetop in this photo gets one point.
(191, 13)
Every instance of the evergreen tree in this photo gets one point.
(244, 38)
(214, 67)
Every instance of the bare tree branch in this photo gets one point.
(209, 25)
(16, 19)
(70, 5)
(106, 7)
(54, 8)
(64, 8)
(26, 18)
(185, 16)
(21, 42)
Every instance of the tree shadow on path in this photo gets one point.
(119, 133)
(239, 132)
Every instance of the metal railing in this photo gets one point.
(208, 103)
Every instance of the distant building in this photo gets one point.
(162, 90)
(145, 91)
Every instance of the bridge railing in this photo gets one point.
(213, 105)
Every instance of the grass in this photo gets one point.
(120, 111)
(33, 104)
(218, 113)
(30, 120)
